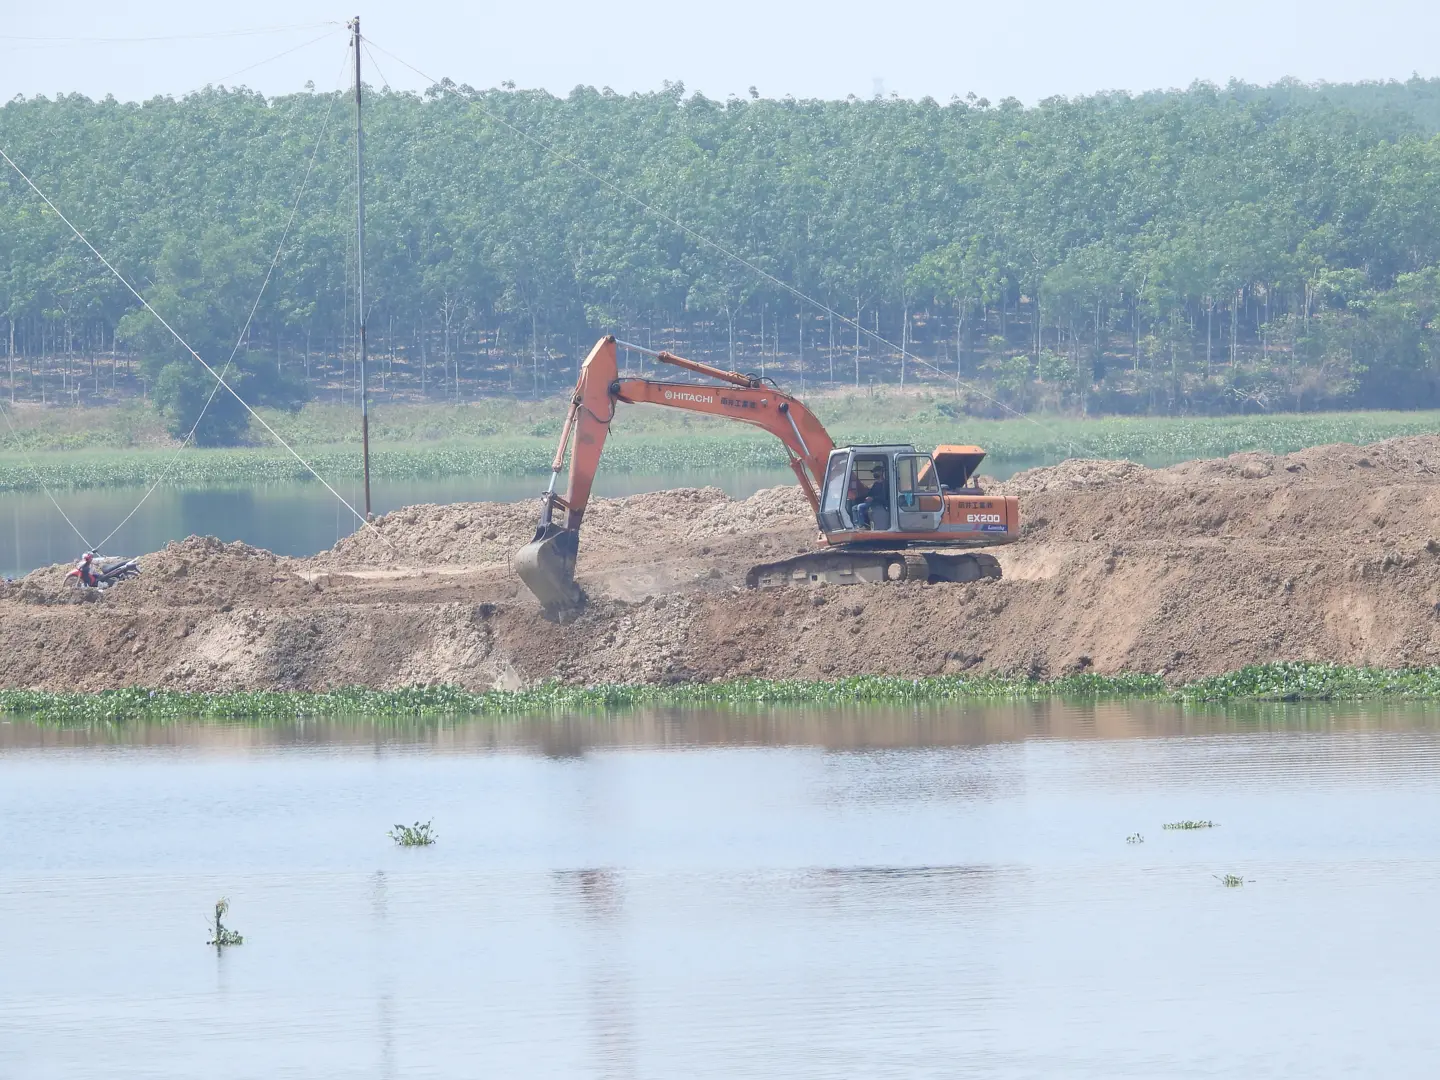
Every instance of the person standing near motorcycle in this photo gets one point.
(91, 573)
(86, 570)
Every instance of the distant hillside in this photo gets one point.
(1409, 106)
(1213, 249)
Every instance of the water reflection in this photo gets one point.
(939, 890)
(883, 890)
(834, 728)
(598, 894)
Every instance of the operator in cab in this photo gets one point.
(879, 497)
(876, 495)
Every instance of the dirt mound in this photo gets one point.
(199, 570)
(464, 533)
(1398, 460)
(472, 534)
(765, 510)
(1328, 554)
(1075, 475)
(1346, 496)
(655, 517)
(488, 534)
(47, 585)
(202, 571)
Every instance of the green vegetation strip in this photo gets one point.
(505, 457)
(1266, 682)
(1008, 442)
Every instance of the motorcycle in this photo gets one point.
(106, 576)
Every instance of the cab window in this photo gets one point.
(868, 476)
(914, 476)
(834, 484)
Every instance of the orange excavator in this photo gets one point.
(877, 507)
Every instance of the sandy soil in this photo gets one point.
(1332, 553)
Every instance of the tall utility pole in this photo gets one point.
(360, 269)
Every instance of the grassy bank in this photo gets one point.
(126, 447)
(516, 457)
(1267, 682)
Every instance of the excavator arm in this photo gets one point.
(547, 563)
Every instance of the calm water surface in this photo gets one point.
(288, 518)
(935, 892)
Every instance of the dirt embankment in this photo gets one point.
(1328, 554)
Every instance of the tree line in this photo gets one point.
(1207, 250)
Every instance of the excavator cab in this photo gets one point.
(880, 489)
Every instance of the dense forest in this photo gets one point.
(1213, 250)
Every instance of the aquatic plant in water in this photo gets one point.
(1262, 682)
(1134, 838)
(1187, 824)
(220, 934)
(417, 835)
(1230, 881)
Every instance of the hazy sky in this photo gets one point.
(1029, 50)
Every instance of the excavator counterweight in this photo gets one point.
(871, 503)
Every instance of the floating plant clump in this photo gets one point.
(417, 835)
(220, 934)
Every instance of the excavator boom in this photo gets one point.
(547, 563)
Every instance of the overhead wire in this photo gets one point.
(147, 38)
(20, 445)
(701, 238)
(39, 477)
(365, 44)
(186, 346)
(271, 59)
(244, 330)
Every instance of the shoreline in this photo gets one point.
(1275, 682)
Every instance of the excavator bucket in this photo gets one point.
(547, 567)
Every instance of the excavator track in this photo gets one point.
(872, 567)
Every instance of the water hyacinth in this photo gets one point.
(220, 934)
(1304, 681)
(448, 700)
(416, 835)
(1263, 682)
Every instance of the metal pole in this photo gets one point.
(360, 271)
(637, 348)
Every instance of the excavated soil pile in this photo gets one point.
(1332, 553)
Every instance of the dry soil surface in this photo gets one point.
(1332, 553)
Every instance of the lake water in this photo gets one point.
(288, 519)
(867, 893)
